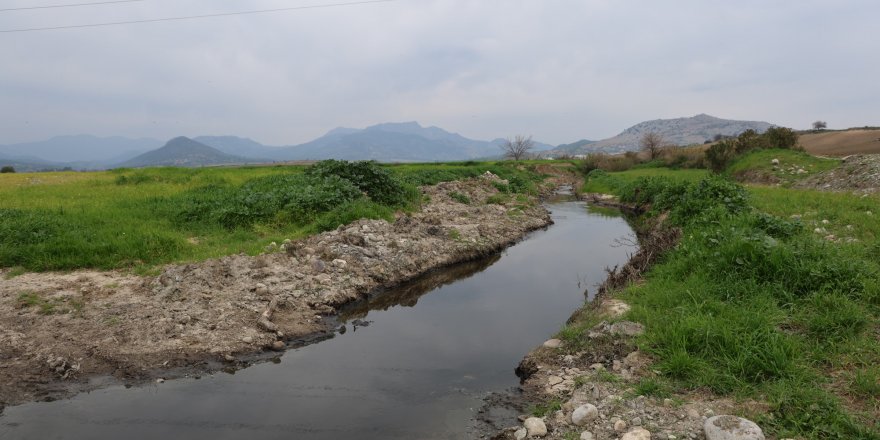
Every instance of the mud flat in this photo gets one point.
(66, 332)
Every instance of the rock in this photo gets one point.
(340, 263)
(584, 414)
(535, 427)
(586, 435)
(553, 380)
(597, 367)
(277, 346)
(247, 340)
(636, 421)
(160, 380)
(613, 308)
(318, 266)
(553, 343)
(620, 426)
(520, 434)
(261, 289)
(731, 428)
(775, 161)
(637, 434)
(626, 328)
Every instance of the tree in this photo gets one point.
(518, 147)
(820, 125)
(7, 169)
(652, 143)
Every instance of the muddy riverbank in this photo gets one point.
(60, 331)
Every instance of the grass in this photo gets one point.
(758, 166)
(140, 219)
(753, 303)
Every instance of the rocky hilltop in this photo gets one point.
(679, 131)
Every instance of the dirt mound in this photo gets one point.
(59, 329)
(859, 173)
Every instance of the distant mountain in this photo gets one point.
(238, 146)
(183, 152)
(679, 131)
(82, 151)
(395, 142)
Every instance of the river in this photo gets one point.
(412, 363)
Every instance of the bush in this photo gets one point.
(377, 182)
(721, 155)
(7, 169)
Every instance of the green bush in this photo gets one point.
(7, 169)
(376, 181)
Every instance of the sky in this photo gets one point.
(560, 70)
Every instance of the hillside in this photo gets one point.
(182, 152)
(842, 143)
(679, 131)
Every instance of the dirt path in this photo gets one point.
(59, 330)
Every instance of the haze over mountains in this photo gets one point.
(388, 142)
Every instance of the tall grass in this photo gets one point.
(140, 218)
(753, 303)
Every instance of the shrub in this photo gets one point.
(721, 155)
(377, 182)
(7, 169)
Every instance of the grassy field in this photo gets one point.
(772, 295)
(758, 166)
(141, 218)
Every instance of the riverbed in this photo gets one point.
(413, 362)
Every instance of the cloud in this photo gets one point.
(558, 69)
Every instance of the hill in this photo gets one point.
(395, 142)
(842, 143)
(183, 152)
(679, 131)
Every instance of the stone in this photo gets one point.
(626, 328)
(340, 263)
(620, 426)
(318, 266)
(277, 346)
(247, 340)
(520, 434)
(553, 380)
(726, 427)
(584, 414)
(261, 289)
(597, 367)
(535, 427)
(586, 435)
(613, 308)
(636, 421)
(637, 434)
(553, 343)
(160, 380)
(775, 161)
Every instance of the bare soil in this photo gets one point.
(61, 331)
(841, 143)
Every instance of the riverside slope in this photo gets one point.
(194, 317)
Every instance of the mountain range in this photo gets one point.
(388, 142)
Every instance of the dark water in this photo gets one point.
(431, 352)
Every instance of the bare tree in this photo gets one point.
(820, 125)
(518, 147)
(652, 143)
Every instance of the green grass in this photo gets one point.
(609, 183)
(758, 165)
(138, 219)
(753, 303)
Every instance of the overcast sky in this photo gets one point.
(561, 70)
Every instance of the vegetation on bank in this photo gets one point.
(129, 218)
(773, 294)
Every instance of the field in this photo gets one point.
(772, 296)
(138, 219)
(842, 143)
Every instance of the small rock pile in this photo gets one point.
(858, 173)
